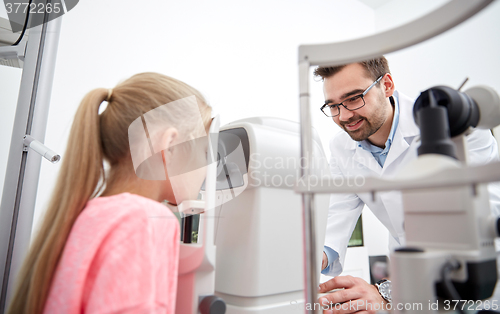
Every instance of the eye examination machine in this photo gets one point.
(258, 234)
(455, 258)
(256, 223)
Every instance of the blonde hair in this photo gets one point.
(93, 139)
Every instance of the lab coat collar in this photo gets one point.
(407, 125)
(406, 131)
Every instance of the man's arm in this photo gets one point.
(343, 213)
(329, 258)
(356, 294)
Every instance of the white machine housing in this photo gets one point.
(259, 234)
(448, 229)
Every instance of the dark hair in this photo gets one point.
(374, 68)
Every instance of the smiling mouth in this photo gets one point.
(354, 126)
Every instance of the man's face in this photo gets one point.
(362, 123)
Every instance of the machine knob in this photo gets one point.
(212, 305)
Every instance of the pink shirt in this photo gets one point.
(121, 257)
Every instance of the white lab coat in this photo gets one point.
(349, 160)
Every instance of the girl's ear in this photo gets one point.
(169, 138)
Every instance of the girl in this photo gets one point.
(106, 244)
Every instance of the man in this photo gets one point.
(379, 138)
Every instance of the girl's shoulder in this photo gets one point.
(123, 206)
(117, 216)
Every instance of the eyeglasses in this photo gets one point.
(353, 103)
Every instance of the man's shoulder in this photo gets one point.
(403, 97)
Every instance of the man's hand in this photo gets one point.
(357, 296)
(325, 261)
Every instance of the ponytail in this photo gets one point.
(79, 177)
(93, 139)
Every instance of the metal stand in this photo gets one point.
(23, 167)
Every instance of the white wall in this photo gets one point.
(471, 49)
(241, 55)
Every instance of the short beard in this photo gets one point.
(369, 128)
